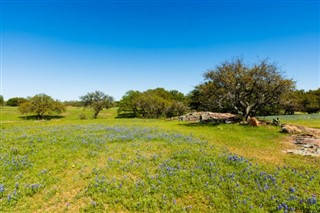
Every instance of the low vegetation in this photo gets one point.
(132, 165)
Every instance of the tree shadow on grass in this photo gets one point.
(44, 117)
(198, 124)
(126, 115)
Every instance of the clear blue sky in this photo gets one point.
(68, 48)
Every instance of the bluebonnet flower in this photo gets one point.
(35, 186)
(312, 200)
(1, 188)
(285, 206)
(279, 207)
(291, 189)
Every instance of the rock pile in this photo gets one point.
(207, 117)
(307, 145)
(306, 139)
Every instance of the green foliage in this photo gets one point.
(152, 103)
(130, 103)
(301, 101)
(2, 102)
(97, 101)
(292, 102)
(240, 88)
(16, 101)
(311, 101)
(41, 104)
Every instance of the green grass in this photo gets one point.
(309, 120)
(136, 165)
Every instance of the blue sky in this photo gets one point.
(68, 48)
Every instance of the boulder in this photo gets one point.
(290, 129)
(252, 121)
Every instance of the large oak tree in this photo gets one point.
(240, 88)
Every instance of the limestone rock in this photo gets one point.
(290, 129)
(207, 117)
(307, 143)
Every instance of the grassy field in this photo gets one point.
(136, 165)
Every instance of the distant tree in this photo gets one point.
(202, 99)
(153, 103)
(16, 101)
(1, 100)
(311, 101)
(130, 103)
(41, 104)
(292, 102)
(177, 96)
(97, 101)
(242, 89)
(176, 108)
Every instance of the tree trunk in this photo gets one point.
(95, 114)
(249, 109)
(247, 112)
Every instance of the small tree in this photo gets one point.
(41, 104)
(97, 101)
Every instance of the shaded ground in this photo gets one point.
(44, 117)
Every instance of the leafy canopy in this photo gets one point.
(237, 87)
(41, 104)
(153, 103)
(97, 101)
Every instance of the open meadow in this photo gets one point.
(109, 164)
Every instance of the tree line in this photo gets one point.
(232, 86)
